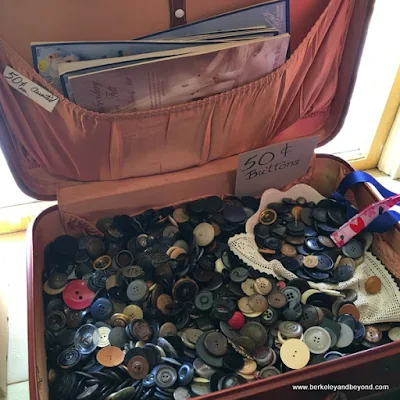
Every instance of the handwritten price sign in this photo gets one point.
(273, 166)
(30, 89)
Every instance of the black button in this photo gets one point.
(343, 273)
(239, 274)
(316, 275)
(292, 311)
(273, 243)
(213, 204)
(337, 215)
(301, 284)
(348, 320)
(202, 275)
(269, 317)
(278, 231)
(262, 231)
(310, 232)
(234, 214)
(204, 300)
(205, 355)
(320, 214)
(290, 263)
(296, 228)
(197, 207)
(223, 309)
(306, 216)
(118, 337)
(251, 202)
(69, 358)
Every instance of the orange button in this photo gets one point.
(110, 356)
(373, 285)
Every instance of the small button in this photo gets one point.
(165, 376)
(310, 261)
(263, 286)
(348, 320)
(137, 290)
(320, 214)
(216, 343)
(264, 356)
(102, 263)
(249, 367)
(292, 293)
(277, 300)
(185, 290)
(101, 309)
(295, 354)
(56, 321)
(69, 358)
(168, 328)
(394, 334)
(325, 263)
(290, 329)
(268, 217)
(203, 234)
(346, 336)
(309, 317)
(313, 244)
(273, 243)
(239, 274)
(103, 334)
(118, 337)
(244, 305)
(138, 367)
(373, 285)
(326, 241)
(179, 13)
(258, 303)
(350, 309)
(110, 356)
(291, 264)
(372, 334)
(353, 249)
(133, 311)
(185, 374)
(237, 320)
(204, 300)
(180, 216)
(119, 319)
(343, 273)
(267, 372)
(140, 330)
(293, 311)
(288, 250)
(248, 287)
(317, 340)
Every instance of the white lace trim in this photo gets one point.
(374, 308)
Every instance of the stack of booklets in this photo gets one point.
(172, 67)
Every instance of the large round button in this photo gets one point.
(256, 332)
(87, 339)
(133, 311)
(118, 337)
(140, 329)
(165, 376)
(353, 249)
(110, 356)
(137, 290)
(69, 358)
(77, 295)
(138, 367)
(295, 354)
(248, 287)
(317, 339)
(350, 309)
(244, 305)
(216, 343)
(249, 367)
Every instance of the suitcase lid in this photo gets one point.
(43, 21)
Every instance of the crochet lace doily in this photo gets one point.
(374, 308)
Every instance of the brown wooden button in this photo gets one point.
(216, 343)
(156, 291)
(373, 285)
(263, 286)
(277, 300)
(350, 309)
(249, 367)
(296, 240)
(180, 216)
(244, 305)
(288, 250)
(203, 234)
(162, 302)
(296, 212)
(167, 329)
(110, 356)
(372, 334)
(258, 303)
(310, 261)
(268, 217)
(138, 367)
(119, 319)
(248, 287)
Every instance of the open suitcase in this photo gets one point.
(99, 165)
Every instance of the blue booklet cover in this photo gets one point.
(273, 14)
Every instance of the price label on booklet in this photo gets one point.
(273, 166)
(30, 89)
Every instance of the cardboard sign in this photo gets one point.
(273, 166)
(30, 89)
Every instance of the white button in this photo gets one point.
(394, 334)
(179, 13)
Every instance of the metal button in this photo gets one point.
(87, 339)
(372, 334)
(268, 217)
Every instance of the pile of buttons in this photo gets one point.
(298, 232)
(160, 308)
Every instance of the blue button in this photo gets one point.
(101, 309)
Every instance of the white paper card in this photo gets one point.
(30, 89)
(273, 166)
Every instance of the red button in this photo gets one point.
(237, 320)
(280, 285)
(77, 295)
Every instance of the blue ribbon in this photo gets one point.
(380, 224)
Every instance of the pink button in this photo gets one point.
(77, 295)
(280, 285)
